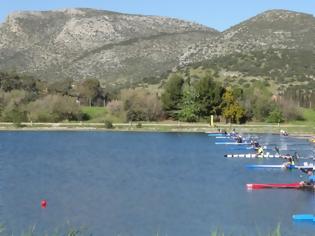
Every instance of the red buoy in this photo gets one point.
(43, 203)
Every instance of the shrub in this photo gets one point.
(141, 105)
(275, 116)
(289, 110)
(54, 108)
(14, 114)
(108, 124)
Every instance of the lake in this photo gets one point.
(119, 183)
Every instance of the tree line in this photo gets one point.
(303, 95)
(194, 99)
(24, 98)
(182, 97)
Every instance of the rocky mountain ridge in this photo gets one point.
(275, 29)
(81, 43)
(116, 48)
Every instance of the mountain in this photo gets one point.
(275, 29)
(87, 43)
(117, 48)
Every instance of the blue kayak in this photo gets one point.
(216, 134)
(304, 217)
(290, 167)
(248, 148)
(231, 143)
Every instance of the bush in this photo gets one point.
(12, 104)
(116, 109)
(54, 108)
(15, 115)
(139, 125)
(290, 111)
(108, 124)
(187, 116)
(141, 105)
(275, 116)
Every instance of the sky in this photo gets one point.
(218, 14)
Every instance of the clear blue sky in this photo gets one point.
(219, 14)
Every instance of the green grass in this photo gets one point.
(309, 115)
(309, 118)
(95, 114)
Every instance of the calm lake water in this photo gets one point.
(143, 184)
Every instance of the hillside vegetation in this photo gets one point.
(58, 65)
(122, 49)
(85, 43)
(184, 97)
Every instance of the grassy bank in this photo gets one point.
(98, 115)
(94, 114)
(170, 126)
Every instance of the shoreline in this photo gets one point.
(292, 129)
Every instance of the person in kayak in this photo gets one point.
(260, 151)
(234, 133)
(254, 144)
(290, 163)
(291, 160)
(239, 139)
(311, 178)
(222, 131)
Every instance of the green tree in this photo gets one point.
(54, 108)
(233, 112)
(14, 113)
(10, 82)
(275, 116)
(209, 96)
(12, 105)
(189, 108)
(141, 105)
(62, 87)
(90, 89)
(258, 101)
(172, 95)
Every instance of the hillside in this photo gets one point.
(276, 29)
(277, 46)
(121, 49)
(84, 43)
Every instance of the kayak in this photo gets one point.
(269, 166)
(225, 140)
(229, 139)
(304, 217)
(241, 148)
(248, 148)
(232, 143)
(264, 186)
(284, 186)
(290, 167)
(253, 156)
(216, 134)
(224, 137)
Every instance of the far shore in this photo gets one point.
(300, 130)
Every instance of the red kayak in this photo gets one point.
(263, 186)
